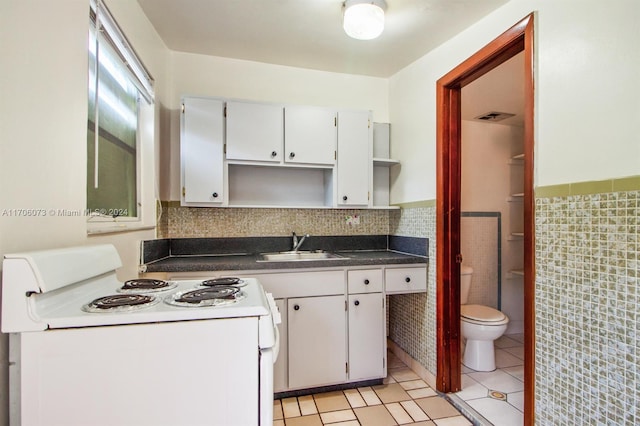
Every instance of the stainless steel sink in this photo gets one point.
(297, 256)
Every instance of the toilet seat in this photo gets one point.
(483, 315)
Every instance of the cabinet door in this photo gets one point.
(280, 366)
(366, 336)
(310, 135)
(354, 158)
(254, 131)
(202, 151)
(317, 341)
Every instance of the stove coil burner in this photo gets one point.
(224, 281)
(120, 303)
(210, 296)
(146, 285)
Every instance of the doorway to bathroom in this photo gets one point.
(516, 40)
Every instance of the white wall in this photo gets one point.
(43, 126)
(202, 75)
(587, 112)
(487, 181)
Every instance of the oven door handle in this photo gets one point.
(276, 346)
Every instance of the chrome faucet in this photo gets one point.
(297, 243)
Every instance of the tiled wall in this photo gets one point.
(480, 246)
(194, 222)
(412, 317)
(587, 309)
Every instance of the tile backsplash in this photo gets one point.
(194, 222)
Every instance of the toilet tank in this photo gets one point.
(465, 283)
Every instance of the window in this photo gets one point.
(118, 84)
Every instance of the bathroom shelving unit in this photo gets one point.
(515, 201)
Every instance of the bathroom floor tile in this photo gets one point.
(391, 393)
(517, 351)
(500, 413)
(505, 341)
(414, 411)
(307, 405)
(518, 337)
(436, 407)
(337, 416)
(354, 398)
(517, 372)
(498, 380)
(505, 359)
(277, 410)
(377, 415)
(369, 396)
(313, 420)
(398, 413)
(331, 401)
(413, 384)
(403, 374)
(393, 403)
(516, 399)
(290, 407)
(421, 393)
(471, 389)
(453, 421)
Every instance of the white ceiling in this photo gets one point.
(500, 90)
(308, 33)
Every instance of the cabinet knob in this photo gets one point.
(292, 154)
(274, 154)
(344, 198)
(357, 302)
(366, 282)
(408, 279)
(296, 307)
(214, 195)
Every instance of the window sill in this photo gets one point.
(117, 228)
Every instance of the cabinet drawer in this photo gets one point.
(406, 280)
(302, 284)
(365, 281)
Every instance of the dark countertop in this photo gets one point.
(231, 262)
(236, 254)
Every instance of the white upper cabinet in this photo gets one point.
(202, 151)
(237, 153)
(255, 131)
(310, 135)
(354, 158)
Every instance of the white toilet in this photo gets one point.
(480, 326)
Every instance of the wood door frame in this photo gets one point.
(516, 39)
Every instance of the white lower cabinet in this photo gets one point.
(317, 339)
(366, 336)
(333, 321)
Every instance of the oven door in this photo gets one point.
(160, 374)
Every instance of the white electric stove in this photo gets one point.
(86, 348)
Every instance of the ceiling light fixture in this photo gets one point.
(364, 19)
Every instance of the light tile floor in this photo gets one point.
(498, 396)
(403, 399)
